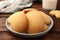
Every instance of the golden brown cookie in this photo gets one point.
(36, 23)
(45, 18)
(55, 13)
(18, 21)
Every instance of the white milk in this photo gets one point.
(49, 4)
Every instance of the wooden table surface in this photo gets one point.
(53, 34)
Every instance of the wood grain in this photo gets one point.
(48, 36)
(58, 3)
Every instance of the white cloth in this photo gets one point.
(3, 4)
(25, 1)
(13, 5)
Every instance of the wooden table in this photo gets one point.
(53, 34)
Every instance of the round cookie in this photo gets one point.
(36, 23)
(45, 18)
(55, 13)
(18, 21)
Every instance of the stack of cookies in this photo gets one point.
(29, 20)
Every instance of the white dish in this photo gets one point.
(30, 35)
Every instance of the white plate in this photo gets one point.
(30, 35)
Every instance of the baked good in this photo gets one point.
(55, 13)
(45, 17)
(18, 21)
(29, 20)
(36, 23)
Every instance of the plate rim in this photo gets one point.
(49, 28)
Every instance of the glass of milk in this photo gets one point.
(49, 4)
